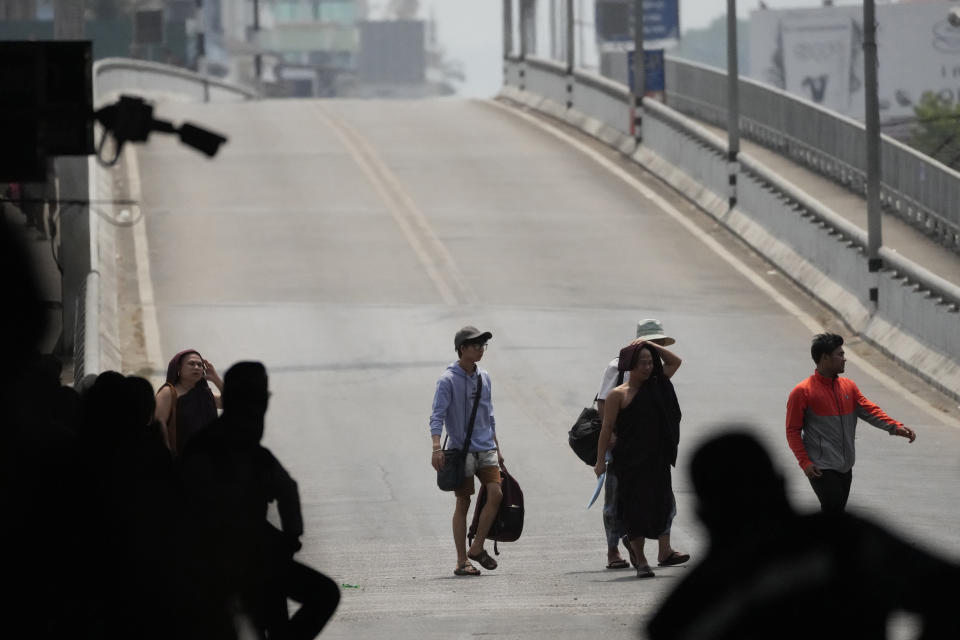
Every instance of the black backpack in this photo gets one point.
(508, 525)
(584, 435)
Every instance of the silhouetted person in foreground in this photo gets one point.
(772, 573)
(37, 464)
(140, 513)
(243, 567)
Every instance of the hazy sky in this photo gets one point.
(470, 30)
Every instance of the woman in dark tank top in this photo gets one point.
(185, 403)
(645, 415)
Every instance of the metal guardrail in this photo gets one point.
(915, 187)
(152, 76)
(948, 292)
(935, 285)
(939, 287)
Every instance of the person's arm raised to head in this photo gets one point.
(210, 373)
(671, 361)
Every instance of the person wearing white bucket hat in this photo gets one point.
(650, 330)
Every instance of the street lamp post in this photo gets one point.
(201, 39)
(570, 53)
(507, 28)
(872, 122)
(257, 57)
(733, 102)
(639, 69)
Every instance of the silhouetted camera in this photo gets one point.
(130, 119)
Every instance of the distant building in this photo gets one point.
(18, 9)
(818, 54)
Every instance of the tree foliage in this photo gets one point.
(937, 129)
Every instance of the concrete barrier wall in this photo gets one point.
(812, 245)
(547, 79)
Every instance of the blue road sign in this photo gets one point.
(614, 20)
(653, 74)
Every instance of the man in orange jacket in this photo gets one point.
(822, 413)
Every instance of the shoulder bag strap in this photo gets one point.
(473, 414)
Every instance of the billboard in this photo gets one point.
(614, 20)
(817, 54)
(653, 72)
(392, 52)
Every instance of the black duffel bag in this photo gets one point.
(584, 435)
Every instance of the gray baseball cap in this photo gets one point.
(470, 334)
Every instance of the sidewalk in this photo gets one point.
(896, 234)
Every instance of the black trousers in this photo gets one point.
(832, 489)
(317, 595)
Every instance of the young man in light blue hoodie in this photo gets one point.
(452, 405)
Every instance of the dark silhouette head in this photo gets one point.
(736, 484)
(103, 408)
(245, 390)
(643, 362)
(139, 401)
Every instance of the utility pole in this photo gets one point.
(201, 39)
(872, 107)
(68, 179)
(257, 57)
(507, 28)
(733, 102)
(639, 69)
(570, 53)
(554, 44)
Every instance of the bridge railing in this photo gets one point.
(917, 316)
(150, 79)
(915, 187)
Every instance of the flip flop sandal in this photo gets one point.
(674, 558)
(484, 559)
(466, 569)
(645, 572)
(618, 564)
